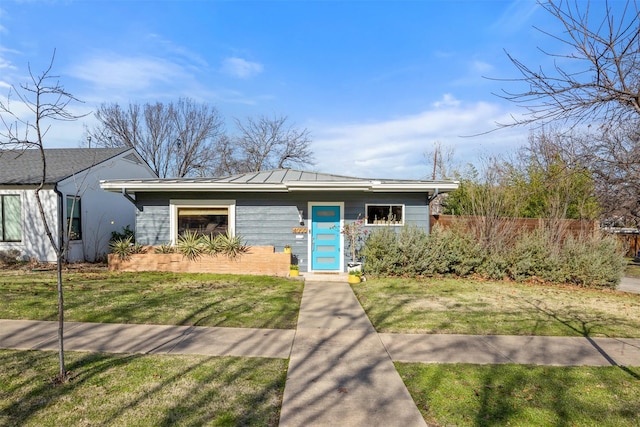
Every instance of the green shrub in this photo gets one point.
(127, 233)
(595, 261)
(452, 251)
(412, 250)
(380, 252)
(532, 255)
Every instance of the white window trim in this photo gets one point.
(404, 212)
(174, 204)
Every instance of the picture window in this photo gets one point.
(385, 214)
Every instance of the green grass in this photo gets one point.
(153, 298)
(461, 306)
(520, 395)
(140, 390)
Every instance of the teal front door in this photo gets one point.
(325, 238)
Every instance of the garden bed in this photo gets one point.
(258, 260)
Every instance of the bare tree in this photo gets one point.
(177, 139)
(440, 160)
(614, 156)
(554, 183)
(45, 100)
(487, 202)
(598, 76)
(269, 143)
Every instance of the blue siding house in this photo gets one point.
(283, 207)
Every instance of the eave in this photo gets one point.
(134, 186)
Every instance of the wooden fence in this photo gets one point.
(574, 227)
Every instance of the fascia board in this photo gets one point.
(132, 187)
(412, 188)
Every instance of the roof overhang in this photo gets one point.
(372, 186)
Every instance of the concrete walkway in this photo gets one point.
(340, 370)
(629, 284)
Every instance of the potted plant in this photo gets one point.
(294, 270)
(355, 236)
(354, 276)
(287, 249)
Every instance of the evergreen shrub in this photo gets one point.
(595, 261)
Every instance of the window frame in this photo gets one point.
(175, 204)
(69, 218)
(3, 226)
(385, 205)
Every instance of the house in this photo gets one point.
(71, 196)
(304, 210)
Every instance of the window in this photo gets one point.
(203, 217)
(74, 218)
(385, 214)
(203, 221)
(10, 218)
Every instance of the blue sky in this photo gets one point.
(377, 83)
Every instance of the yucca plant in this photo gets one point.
(123, 248)
(165, 248)
(232, 246)
(212, 244)
(190, 245)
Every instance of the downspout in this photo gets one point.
(129, 198)
(429, 200)
(60, 221)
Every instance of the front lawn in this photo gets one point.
(463, 306)
(140, 390)
(153, 298)
(521, 395)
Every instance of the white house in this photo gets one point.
(71, 196)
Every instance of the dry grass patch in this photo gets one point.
(461, 306)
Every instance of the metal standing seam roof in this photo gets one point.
(24, 167)
(276, 180)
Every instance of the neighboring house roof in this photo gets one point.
(24, 167)
(279, 180)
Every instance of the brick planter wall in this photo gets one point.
(260, 260)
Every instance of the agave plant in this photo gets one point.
(190, 245)
(212, 244)
(123, 248)
(232, 246)
(165, 248)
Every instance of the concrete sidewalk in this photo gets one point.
(629, 284)
(147, 339)
(277, 343)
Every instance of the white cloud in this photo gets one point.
(241, 68)
(396, 148)
(127, 73)
(447, 100)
